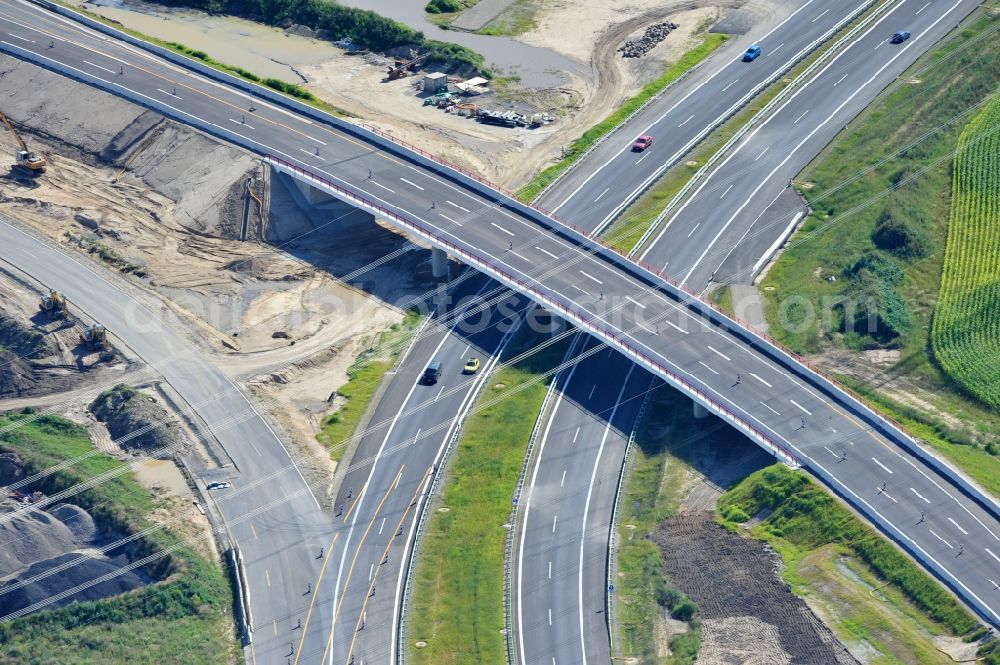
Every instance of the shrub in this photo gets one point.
(443, 6)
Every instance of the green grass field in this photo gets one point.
(881, 197)
(457, 604)
(185, 619)
(966, 329)
(802, 517)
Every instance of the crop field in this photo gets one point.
(965, 334)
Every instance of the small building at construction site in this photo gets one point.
(435, 81)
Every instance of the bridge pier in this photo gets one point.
(313, 195)
(699, 410)
(439, 263)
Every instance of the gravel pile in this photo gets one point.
(136, 421)
(636, 48)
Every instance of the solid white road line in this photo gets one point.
(561, 482)
(510, 251)
(589, 276)
(381, 526)
(990, 552)
(550, 563)
(510, 233)
(691, 116)
(586, 293)
(601, 194)
(630, 298)
(958, 527)
(412, 184)
(923, 8)
(941, 539)
(717, 352)
(820, 16)
(312, 154)
(675, 326)
(761, 380)
(176, 96)
(554, 518)
(708, 368)
(576, 434)
(378, 184)
(889, 496)
(776, 48)
(457, 206)
(768, 407)
(695, 228)
(726, 192)
(591, 395)
(800, 406)
(545, 251)
(550, 616)
(827, 447)
(438, 396)
(241, 123)
(110, 71)
(730, 84)
(884, 467)
(453, 221)
(840, 80)
(24, 39)
(642, 158)
(921, 496)
(762, 153)
(796, 121)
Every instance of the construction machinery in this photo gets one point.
(403, 67)
(25, 160)
(95, 336)
(53, 304)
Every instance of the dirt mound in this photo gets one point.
(747, 610)
(11, 470)
(137, 422)
(22, 340)
(85, 572)
(17, 378)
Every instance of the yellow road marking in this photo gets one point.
(312, 601)
(364, 605)
(355, 502)
(350, 572)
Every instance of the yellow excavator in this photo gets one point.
(26, 161)
(53, 304)
(95, 336)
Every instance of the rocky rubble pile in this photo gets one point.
(640, 46)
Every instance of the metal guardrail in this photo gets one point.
(515, 506)
(742, 131)
(612, 560)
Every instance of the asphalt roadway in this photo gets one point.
(486, 226)
(728, 227)
(613, 175)
(270, 510)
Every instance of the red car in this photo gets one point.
(642, 143)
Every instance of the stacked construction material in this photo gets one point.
(636, 48)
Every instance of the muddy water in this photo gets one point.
(261, 49)
(270, 52)
(537, 67)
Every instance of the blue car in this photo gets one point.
(752, 53)
(900, 37)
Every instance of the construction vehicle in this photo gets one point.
(95, 336)
(403, 67)
(26, 161)
(53, 304)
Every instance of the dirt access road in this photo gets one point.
(586, 32)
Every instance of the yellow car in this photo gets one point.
(471, 366)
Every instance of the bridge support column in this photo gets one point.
(699, 411)
(312, 194)
(439, 263)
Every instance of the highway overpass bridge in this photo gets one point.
(727, 368)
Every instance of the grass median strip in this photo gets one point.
(183, 618)
(709, 43)
(457, 609)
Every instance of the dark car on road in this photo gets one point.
(900, 37)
